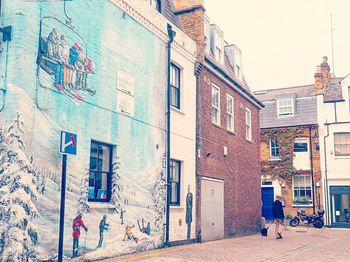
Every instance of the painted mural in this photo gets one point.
(87, 79)
(65, 65)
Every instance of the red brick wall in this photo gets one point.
(240, 169)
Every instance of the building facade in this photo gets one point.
(228, 161)
(334, 121)
(104, 79)
(290, 156)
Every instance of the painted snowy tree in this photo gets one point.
(17, 192)
(84, 206)
(115, 203)
(159, 199)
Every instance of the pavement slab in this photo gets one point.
(298, 244)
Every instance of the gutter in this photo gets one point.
(233, 82)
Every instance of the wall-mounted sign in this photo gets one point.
(125, 103)
(125, 82)
(125, 93)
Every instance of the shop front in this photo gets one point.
(340, 206)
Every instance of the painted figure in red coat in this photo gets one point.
(77, 223)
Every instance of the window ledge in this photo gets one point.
(216, 125)
(275, 159)
(180, 111)
(231, 132)
(342, 157)
(177, 207)
(250, 141)
(305, 205)
(98, 205)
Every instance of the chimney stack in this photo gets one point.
(191, 17)
(322, 76)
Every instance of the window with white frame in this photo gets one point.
(175, 86)
(207, 34)
(301, 144)
(285, 107)
(274, 149)
(302, 189)
(342, 144)
(219, 47)
(175, 175)
(215, 104)
(230, 113)
(248, 124)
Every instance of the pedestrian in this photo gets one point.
(103, 226)
(77, 223)
(278, 216)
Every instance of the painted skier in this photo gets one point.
(77, 223)
(63, 55)
(189, 205)
(103, 227)
(129, 235)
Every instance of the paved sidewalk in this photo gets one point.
(298, 244)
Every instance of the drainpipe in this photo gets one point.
(326, 173)
(171, 35)
(312, 170)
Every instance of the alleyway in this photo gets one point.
(299, 244)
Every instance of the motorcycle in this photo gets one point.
(316, 220)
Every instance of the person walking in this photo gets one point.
(77, 223)
(278, 216)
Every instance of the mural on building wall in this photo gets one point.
(133, 218)
(65, 62)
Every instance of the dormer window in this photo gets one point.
(285, 107)
(219, 47)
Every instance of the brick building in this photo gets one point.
(290, 154)
(228, 165)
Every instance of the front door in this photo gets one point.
(212, 209)
(267, 198)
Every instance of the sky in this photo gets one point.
(282, 41)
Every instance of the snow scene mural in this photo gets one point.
(104, 79)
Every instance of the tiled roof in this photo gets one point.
(305, 109)
(273, 94)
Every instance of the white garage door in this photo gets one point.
(212, 209)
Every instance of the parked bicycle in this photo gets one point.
(316, 220)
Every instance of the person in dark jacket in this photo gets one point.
(278, 216)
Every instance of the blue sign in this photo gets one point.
(68, 143)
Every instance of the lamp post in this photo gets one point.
(171, 35)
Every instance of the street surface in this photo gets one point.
(298, 244)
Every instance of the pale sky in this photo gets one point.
(282, 41)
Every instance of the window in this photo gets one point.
(248, 124)
(302, 193)
(215, 105)
(175, 86)
(230, 113)
(175, 175)
(207, 34)
(342, 144)
(159, 5)
(300, 145)
(274, 149)
(285, 107)
(100, 172)
(219, 47)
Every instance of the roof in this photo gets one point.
(167, 9)
(305, 106)
(227, 69)
(333, 91)
(273, 94)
